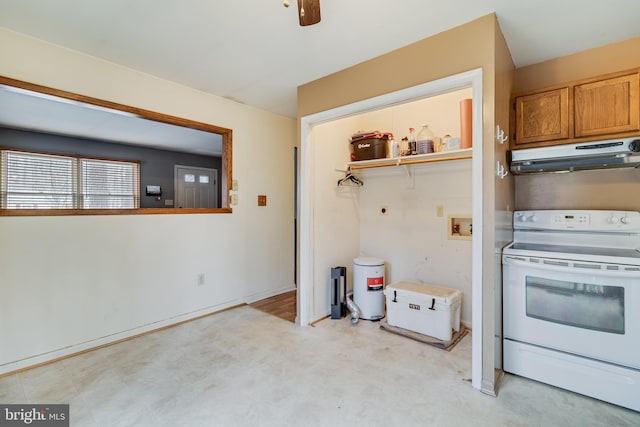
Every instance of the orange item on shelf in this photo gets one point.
(465, 124)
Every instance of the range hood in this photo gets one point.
(609, 154)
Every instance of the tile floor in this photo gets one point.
(243, 367)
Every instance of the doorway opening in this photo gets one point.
(281, 305)
(313, 259)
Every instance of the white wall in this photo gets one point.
(335, 211)
(70, 283)
(411, 238)
(440, 112)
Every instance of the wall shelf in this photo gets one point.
(441, 156)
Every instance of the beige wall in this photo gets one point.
(589, 63)
(503, 203)
(611, 189)
(601, 189)
(451, 52)
(75, 282)
(504, 87)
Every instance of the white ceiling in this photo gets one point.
(254, 51)
(20, 109)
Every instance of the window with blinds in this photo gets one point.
(109, 184)
(46, 181)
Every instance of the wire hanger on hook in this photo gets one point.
(350, 180)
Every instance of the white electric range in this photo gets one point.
(571, 302)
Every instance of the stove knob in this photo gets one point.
(612, 220)
(625, 220)
(533, 218)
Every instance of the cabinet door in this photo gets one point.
(542, 116)
(607, 106)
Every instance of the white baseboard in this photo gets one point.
(73, 349)
(270, 293)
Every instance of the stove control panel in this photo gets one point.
(580, 220)
(571, 218)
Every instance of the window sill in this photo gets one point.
(140, 211)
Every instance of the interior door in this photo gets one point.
(196, 187)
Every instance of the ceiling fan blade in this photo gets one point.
(311, 10)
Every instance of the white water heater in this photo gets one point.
(368, 286)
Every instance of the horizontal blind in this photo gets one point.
(37, 181)
(108, 184)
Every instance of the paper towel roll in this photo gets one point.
(465, 124)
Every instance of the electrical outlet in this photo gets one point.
(383, 211)
(201, 279)
(233, 199)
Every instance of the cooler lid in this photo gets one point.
(446, 295)
(368, 261)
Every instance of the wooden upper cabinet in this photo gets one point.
(607, 106)
(542, 116)
(604, 107)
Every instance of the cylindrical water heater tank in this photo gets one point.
(368, 284)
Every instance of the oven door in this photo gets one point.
(584, 308)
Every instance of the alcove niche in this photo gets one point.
(325, 239)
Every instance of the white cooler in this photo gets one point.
(426, 309)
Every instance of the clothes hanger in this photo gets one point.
(350, 180)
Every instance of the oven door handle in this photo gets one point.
(565, 266)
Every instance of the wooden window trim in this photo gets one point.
(226, 161)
